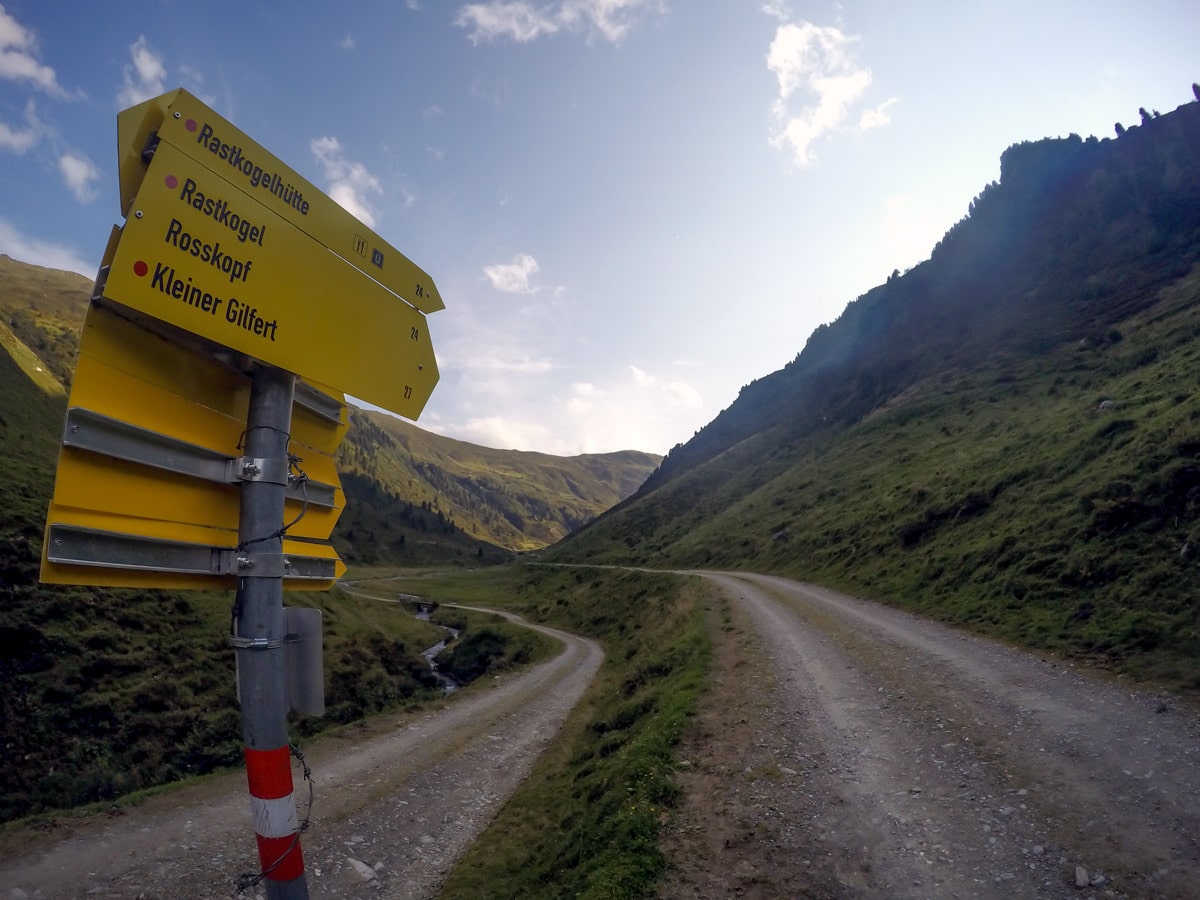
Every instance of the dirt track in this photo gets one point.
(395, 805)
(850, 750)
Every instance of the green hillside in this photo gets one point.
(1007, 436)
(43, 309)
(40, 317)
(510, 498)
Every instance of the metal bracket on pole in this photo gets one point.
(241, 643)
(318, 402)
(246, 564)
(245, 468)
(97, 433)
(75, 545)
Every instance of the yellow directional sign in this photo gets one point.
(152, 428)
(228, 260)
(181, 120)
(175, 555)
(201, 254)
(168, 371)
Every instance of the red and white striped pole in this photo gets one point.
(260, 632)
(273, 808)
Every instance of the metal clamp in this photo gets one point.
(250, 468)
(260, 643)
(249, 564)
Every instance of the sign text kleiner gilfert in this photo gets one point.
(181, 120)
(198, 252)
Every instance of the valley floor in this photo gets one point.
(844, 750)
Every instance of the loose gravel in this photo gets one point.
(869, 753)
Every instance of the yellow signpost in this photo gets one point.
(202, 255)
(179, 119)
(192, 456)
(179, 408)
(152, 435)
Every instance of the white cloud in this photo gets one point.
(874, 118)
(80, 175)
(145, 76)
(513, 278)
(777, 10)
(347, 43)
(195, 82)
(349, 182)
(18, 56)
(634, 410)
(42, 253)
(518, 21)
(819, 82)
(676, 393)
(628, 408)
(522, 21)
(502, 433)
(613, 19)
(589, 419)
(584, 396)
(19, 140)
(679, 393)
(515, 363)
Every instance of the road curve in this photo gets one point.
(920, 761)
(394, 807)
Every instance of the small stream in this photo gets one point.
(449, 684)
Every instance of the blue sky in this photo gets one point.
(630, 207)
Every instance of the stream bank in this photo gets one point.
(448, 682)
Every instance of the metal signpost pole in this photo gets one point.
(260, 633)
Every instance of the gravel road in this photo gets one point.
(868, 753)
(396, 803)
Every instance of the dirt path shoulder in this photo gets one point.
(396, 803)
(851, 750)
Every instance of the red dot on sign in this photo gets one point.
(140, 268)
(190, 124)
(172, 181)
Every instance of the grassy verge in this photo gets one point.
(587, 822)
